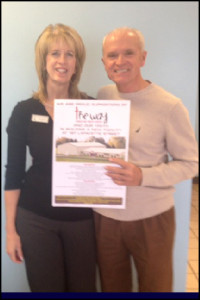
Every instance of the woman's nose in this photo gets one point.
(62, 58)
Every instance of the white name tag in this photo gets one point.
(40, 119)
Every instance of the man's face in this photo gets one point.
(123, 58)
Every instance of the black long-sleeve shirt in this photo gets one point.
(35, 183)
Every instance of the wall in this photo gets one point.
(171, 33)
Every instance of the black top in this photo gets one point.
(35, 183)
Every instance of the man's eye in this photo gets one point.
(112, 55)
(129, 53)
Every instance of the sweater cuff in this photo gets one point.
(147, 176)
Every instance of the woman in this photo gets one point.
(57, 244)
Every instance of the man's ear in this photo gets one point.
(144, 55)
(103, 61)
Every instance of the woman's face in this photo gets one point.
(60, 63)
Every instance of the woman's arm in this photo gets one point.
(13, 243)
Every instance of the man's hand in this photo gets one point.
(127, 174)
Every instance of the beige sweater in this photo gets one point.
(162, 143)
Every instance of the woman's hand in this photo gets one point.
(13, 247)
(126, 174)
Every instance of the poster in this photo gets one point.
(86, 133)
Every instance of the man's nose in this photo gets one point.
(120, 59)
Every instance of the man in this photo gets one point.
(162, 152)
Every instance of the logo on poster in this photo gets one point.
(85, 116)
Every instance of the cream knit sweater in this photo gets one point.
(162, 143)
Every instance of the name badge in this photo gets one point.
(40, 119)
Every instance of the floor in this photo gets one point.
(193, 253)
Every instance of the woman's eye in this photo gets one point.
(69, 54)
(55, 53)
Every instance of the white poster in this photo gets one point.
(86, 134)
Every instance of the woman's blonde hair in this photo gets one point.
(51, 34)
